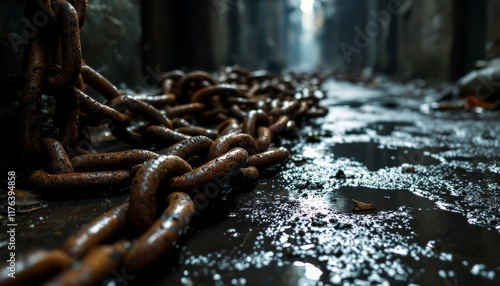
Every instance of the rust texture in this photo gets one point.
(200, 132)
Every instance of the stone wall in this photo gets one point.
(342, 45)
(184, 34)
(493, 36)
(431, 39)
(426, 39)
(111, 40)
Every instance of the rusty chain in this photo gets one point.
(213, 131)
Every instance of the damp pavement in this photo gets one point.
(434, 177)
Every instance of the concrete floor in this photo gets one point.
(436, 224)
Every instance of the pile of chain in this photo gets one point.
(215, 132)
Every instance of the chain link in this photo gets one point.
(218, 131)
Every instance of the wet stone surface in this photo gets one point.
(434, 178)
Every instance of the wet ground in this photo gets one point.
(434, 177)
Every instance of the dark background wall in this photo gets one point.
(433, 39)
(438, 39)
(128, 40)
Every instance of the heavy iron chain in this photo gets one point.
(215, 131)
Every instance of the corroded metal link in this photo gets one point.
(157, 101)
(290, 126)
(95, 267)
(170, 79)
(268, 158)
(263, 88)
(70, 183)
(219, 117)
(35, 267)
(231, 129)
(57, 156)
(70, 45)
(186, 83)
(263, 104)
(236, 111)
(291, 108)
(196, 161)
(276, 111)
(175, 75)
(254, 119)
(254, 89)
(197, 145)
(31, 101)
(120, 160)
(301, 111)
(100, 230)
(139, 126)
(226, 126)
(203, 95)
(248, 174)
(216, 114)
(279, 90)
(96, 109)
(211, 173)
(197, 131)
(279, 125)
(225, 143)
(81, 7)
(277, 104)
(142, 108)
(181, 122)
(245, 178)
(163, 234)
(264, 138)
(230, 100)
(184, 109)
(163, 136)
(228, 122)
(144, 192)
(131, 137)
(79, 84)
(128, 136)
(99, 83)
(167, 86)
(237, 69)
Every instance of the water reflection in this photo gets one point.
(302, 273)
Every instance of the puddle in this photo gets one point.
(375, 157)
(318, 240)
(385, 128)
